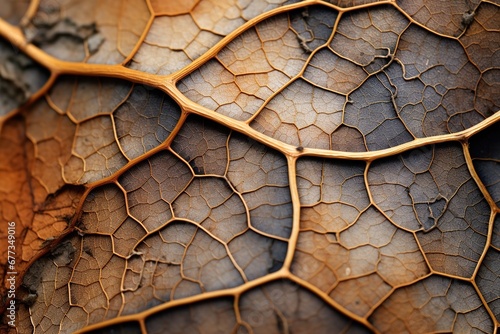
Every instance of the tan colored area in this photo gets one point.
(251, 166)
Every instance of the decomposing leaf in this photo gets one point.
(243, 166)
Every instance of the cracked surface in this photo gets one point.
(251, 166)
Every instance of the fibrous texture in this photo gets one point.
(239, 166)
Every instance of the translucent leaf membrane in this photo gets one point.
(481, 39)
(182, 32)
(299, 166)
(113, 122)
(350, 3)
(437, 304)
(495, 242)
(20, 77)
(258, 63)
(368, 38)
(488, 278)
(347, 245)
(168, 232)
(430, 190)
(125, 328)
(447, 84)
(274, 307)
(356, 87)
(449, 18)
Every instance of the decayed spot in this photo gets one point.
(434, 304)
(51, 220)
(415, 191)
(32, 193)
(20, 77)
(313, 25)
(83, 275)
(91, 31)
(48, 279)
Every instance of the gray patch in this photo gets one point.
(20, 77)
(48, 33)
(64, 254)
(61, 256)
(94, 42)
(33, 277)
(467, 18)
